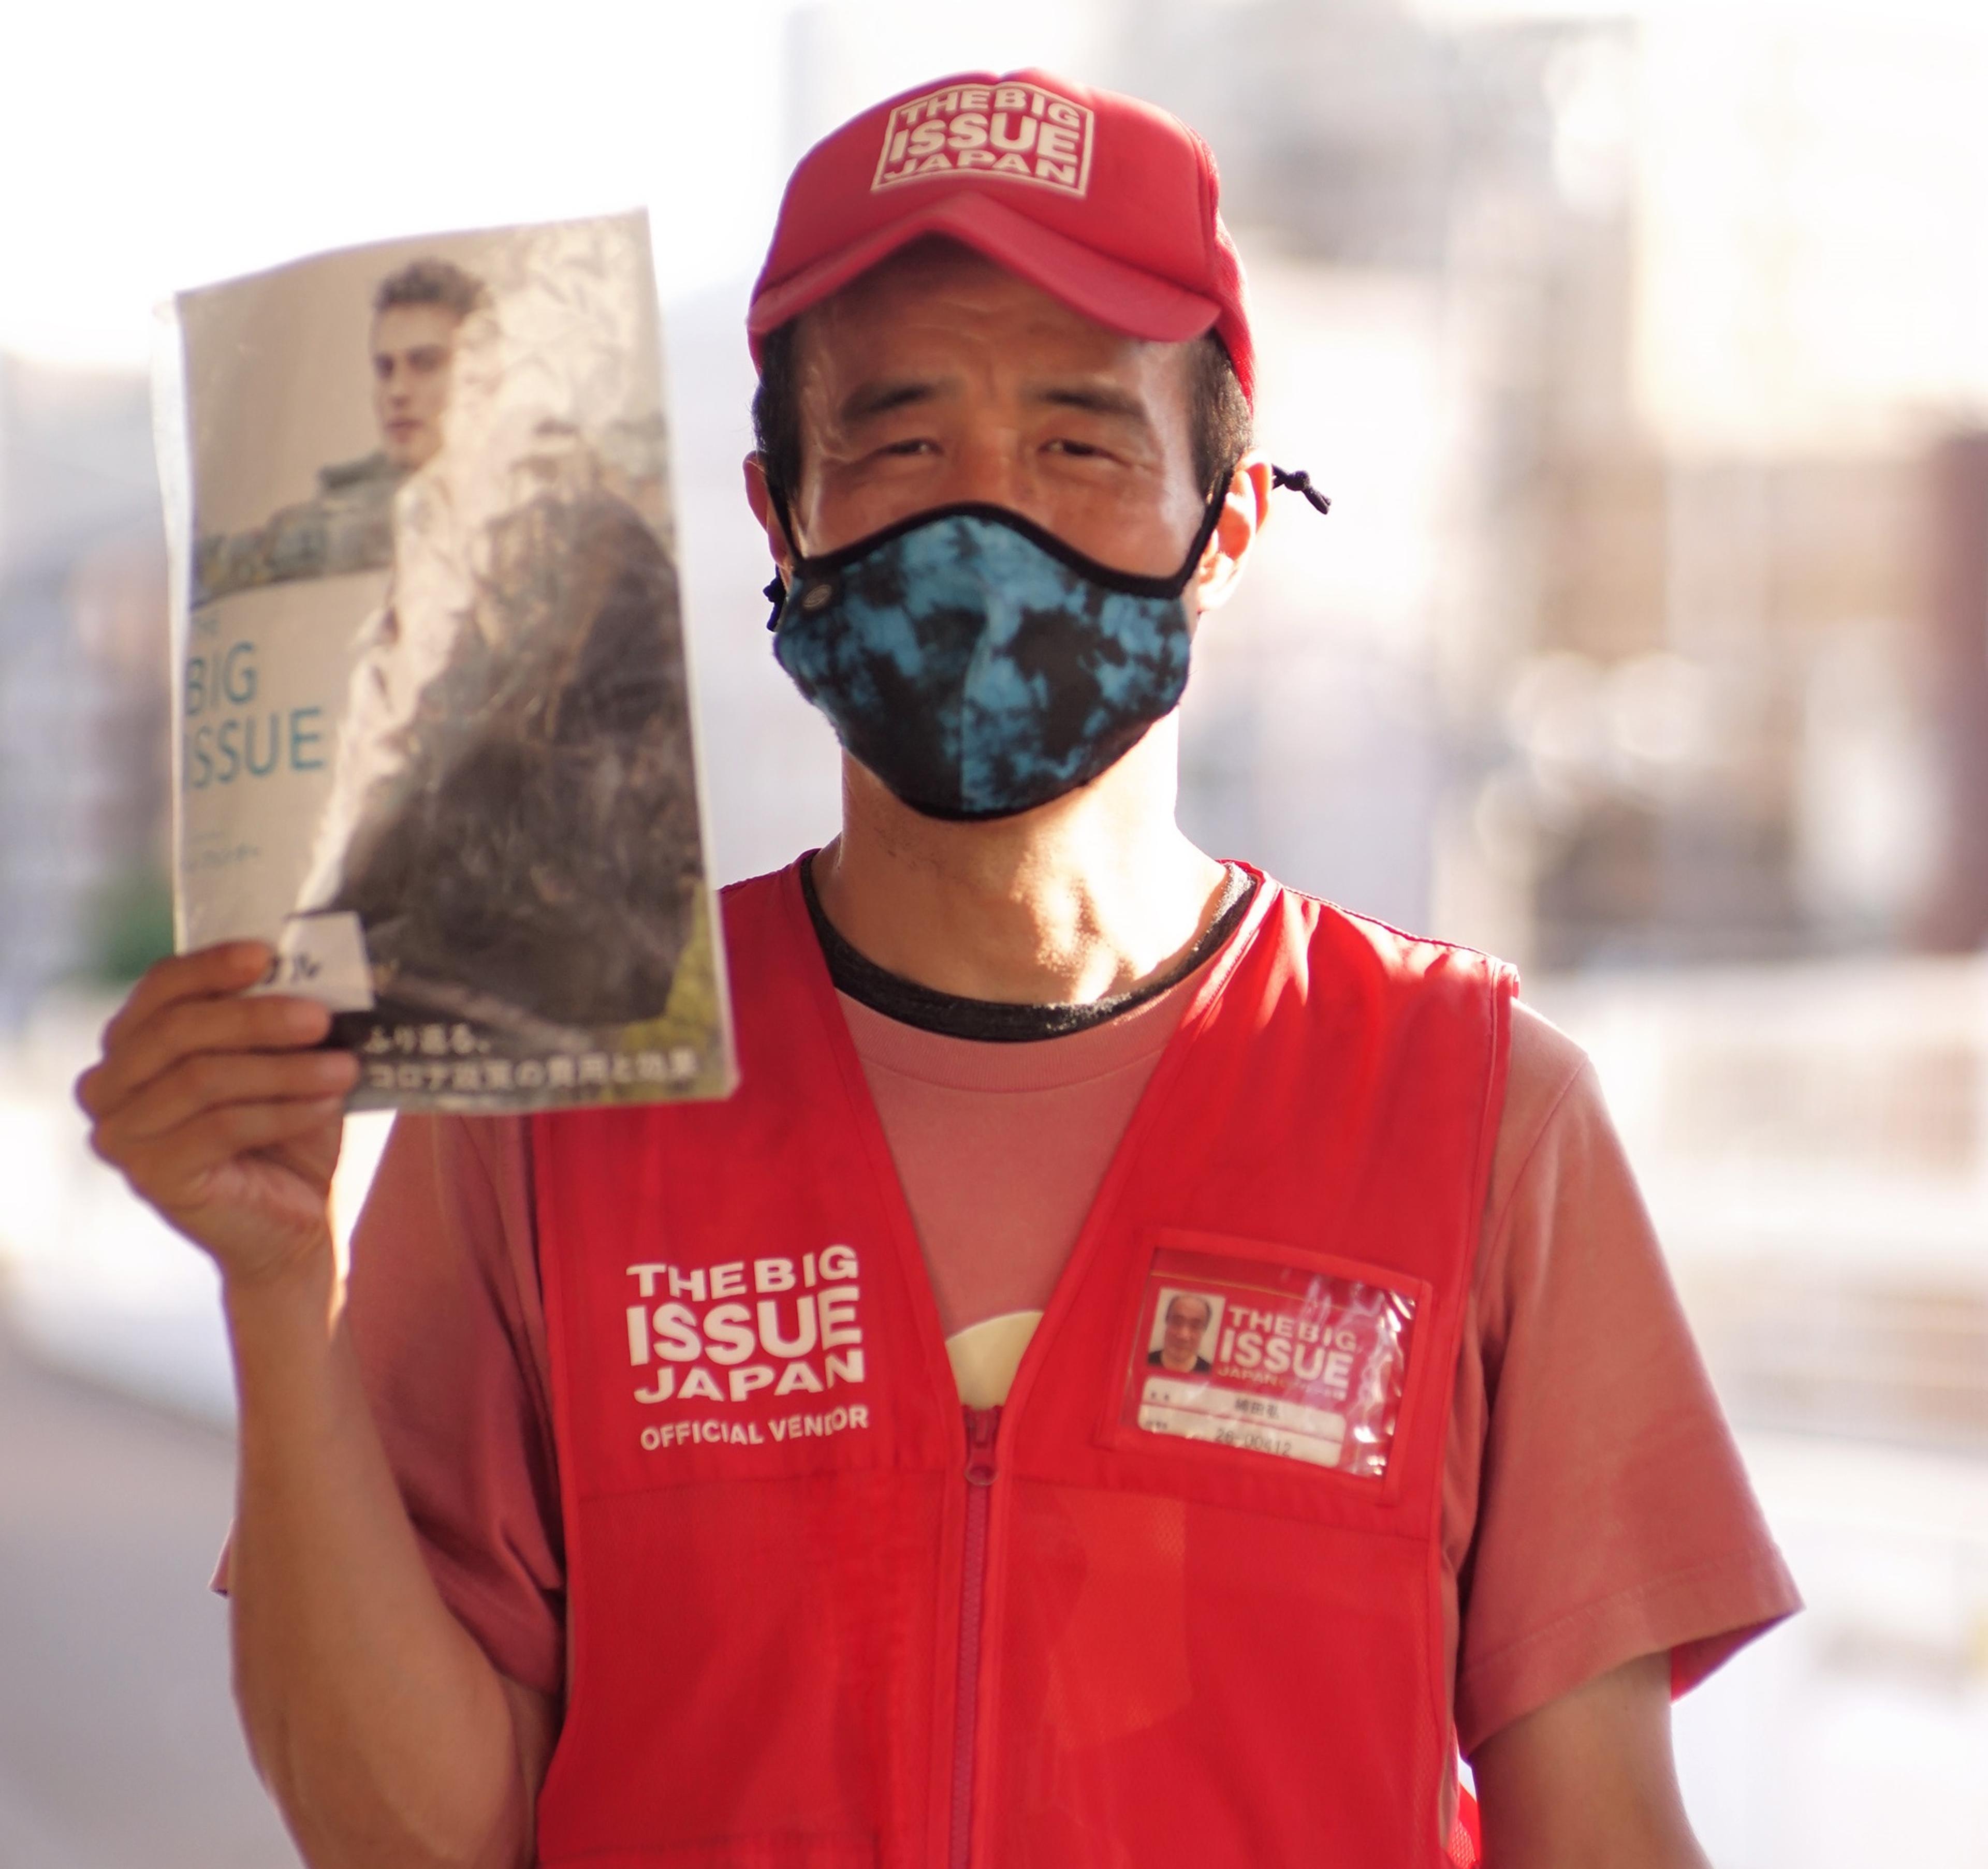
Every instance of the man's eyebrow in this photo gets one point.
(869, 399)
(1097, 398)
(415, 353)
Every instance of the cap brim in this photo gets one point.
(1121, 298)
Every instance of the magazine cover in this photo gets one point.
(434, 731)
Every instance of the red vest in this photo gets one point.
(1178, 1602)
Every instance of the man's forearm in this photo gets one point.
(381, 1728)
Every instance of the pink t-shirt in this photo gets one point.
(1595, 1508)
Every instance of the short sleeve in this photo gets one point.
(1615, 1519)
(448, 1329)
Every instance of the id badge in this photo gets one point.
(1277, 1358)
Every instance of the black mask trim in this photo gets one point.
(975, 668)
(1134, 583)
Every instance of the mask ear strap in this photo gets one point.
(775, 593)
(1211, 518)
(1299, 481)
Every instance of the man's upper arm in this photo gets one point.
(535, 1722)
(1587, 1781)
(447, 1328)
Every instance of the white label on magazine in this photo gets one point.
(322, 957)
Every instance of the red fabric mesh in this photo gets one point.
(787, 1630)
(1168, 1671)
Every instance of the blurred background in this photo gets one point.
(1643, 351)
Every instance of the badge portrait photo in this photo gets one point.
(1186, 1325)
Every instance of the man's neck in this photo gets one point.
(1077, 901)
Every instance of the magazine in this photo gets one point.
(433, 724)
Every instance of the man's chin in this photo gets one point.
(406, 456)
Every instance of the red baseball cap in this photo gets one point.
(1105, 202)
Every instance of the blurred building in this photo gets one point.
(1635, 355)
(1699, 671)
(1462, 194)
(1956, 909)
(1813, 1141)
(84, 695)
(1647, 624)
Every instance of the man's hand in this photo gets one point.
(1588, 1782)
(217, 1114)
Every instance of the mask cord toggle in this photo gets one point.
(1299, 482)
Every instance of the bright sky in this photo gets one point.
(145, 148)
(1808, 171)
(1811, 266)
(1814, 271)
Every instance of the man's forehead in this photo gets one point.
(408, 326)
(937, 318)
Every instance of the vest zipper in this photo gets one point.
(982, 1425)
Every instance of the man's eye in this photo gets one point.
(1081, 450)
(916, 445)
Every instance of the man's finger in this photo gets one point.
(183, 1028)
(215, 1137)
(212, 1080)
(227, 967)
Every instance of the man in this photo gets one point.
(416, 313)
(348, 526)
(1187, 1320)
(513, 813)
(634, 1432)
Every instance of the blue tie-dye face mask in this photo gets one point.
(979, 666)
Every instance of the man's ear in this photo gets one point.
(1244, 514)
(759, 497)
